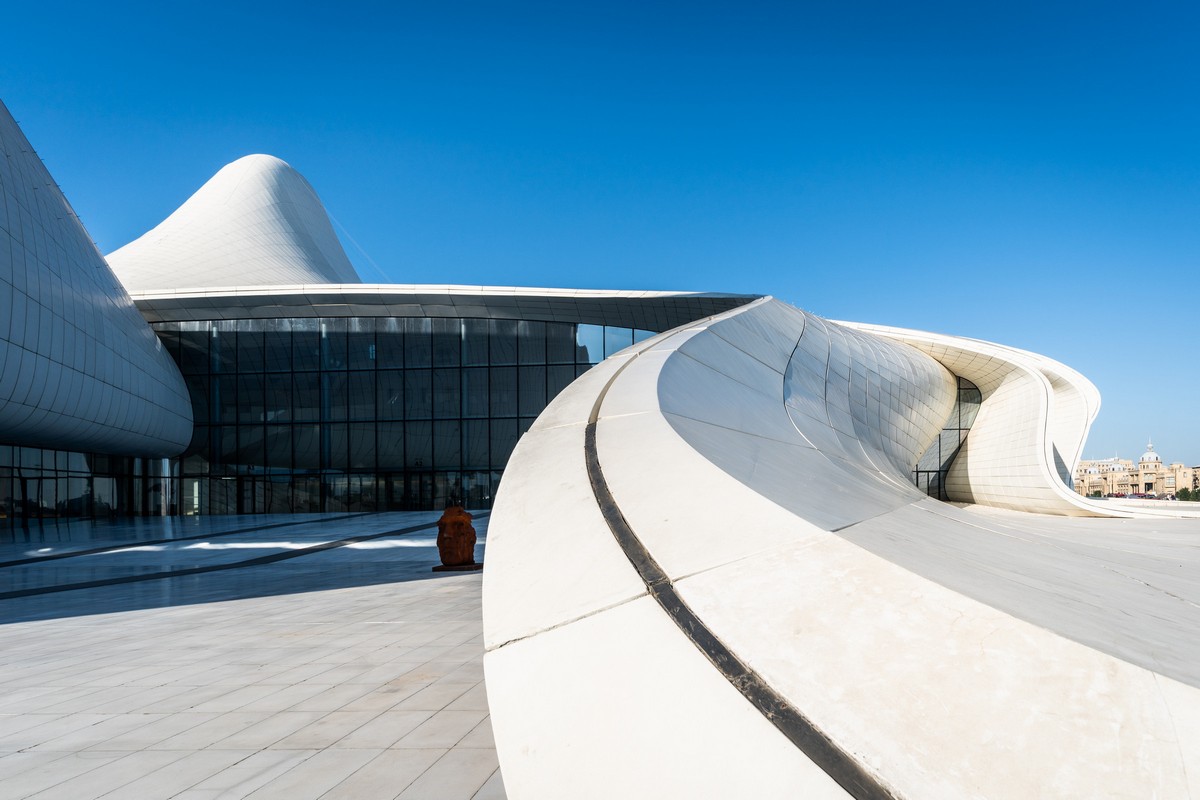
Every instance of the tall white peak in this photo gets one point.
(257, 222)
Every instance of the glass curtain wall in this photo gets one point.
(366, 413)
(61, 486)
(934, 465)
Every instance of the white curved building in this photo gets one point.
(257, 222)
(710, 575)
(79, 367)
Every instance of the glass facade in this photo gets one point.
(933, 466)
(38, 484)
(366, 413)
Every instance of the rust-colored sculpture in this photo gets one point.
(456, 539)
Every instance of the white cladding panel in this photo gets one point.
(759, 460)
(257, 222)
(79, 367)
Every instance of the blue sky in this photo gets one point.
(1027, 173)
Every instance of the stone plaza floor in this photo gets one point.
(298, 657)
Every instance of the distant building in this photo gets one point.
(1120, 476)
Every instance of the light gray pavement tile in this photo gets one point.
(474, 699)
(493, 789)
(208, 733)
(384, 730)
(151, 734)
(27, 698)
(459, 773)
(325, 731)
(299, 672)
(188, 697)
(384, 697)
(109, 776)
(315, 776)
(179, 775)
(270, 730)
(54, 726)
(246, 776)
(434, 697)
(53, 773)
(93, 735)
(386, 776)
(11, 724)
(236, 698)
(332, 698)
(480, 736)
(13, 764)
(443, 729)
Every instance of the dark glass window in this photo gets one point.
(418, 394)
(418, 342)
(475, 342)
(277, 345)
(447, 445)
(306, 345)
(475, 392)
(306, 446)
(447, 342)
(557, 379)
(503, 440)
(531, 342)
(532, 390)
(361, 400)
(249, 347)
(503, 387)
(502, 336)
(389, 343)
(336, 446)
(560, 343)
(390, 447)
(333, 344)
(279, 446)
(193, 348)
(226, 402)
(335, 394)
(306, 396)
(222, 348)
(447, 399)
(250, 398)
(362, 446)
(361, 343)
(418, 445)
(475, 444)
(390, 394)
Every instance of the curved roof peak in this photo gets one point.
(256, 222)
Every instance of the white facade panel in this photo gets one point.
(753, 470)
(79, 367)
(257, 222)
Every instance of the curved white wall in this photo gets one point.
(79, 367)
(670, 546)
(256, 222)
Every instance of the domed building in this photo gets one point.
(1121, 477)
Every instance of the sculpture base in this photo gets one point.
(458, 568)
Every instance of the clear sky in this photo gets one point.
(1027, 173)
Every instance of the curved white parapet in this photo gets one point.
(256, 222)
(710, 576)
(79, 367)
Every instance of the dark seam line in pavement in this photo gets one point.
(253, 562)
(789, 720)
(109, 548)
